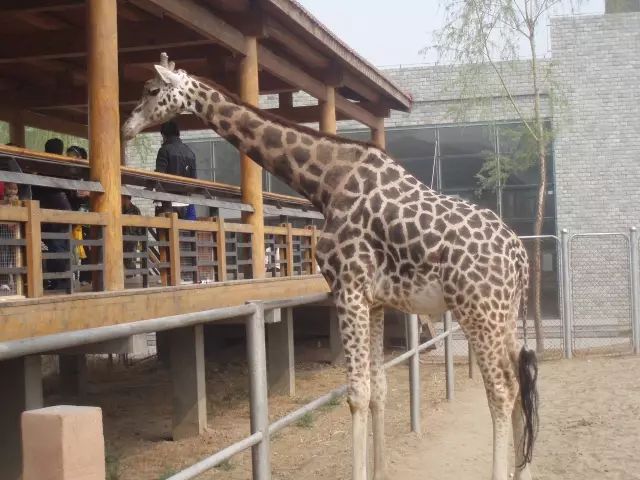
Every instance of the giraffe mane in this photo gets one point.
(283, 121)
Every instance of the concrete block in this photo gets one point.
(63, 443)
(281, 355)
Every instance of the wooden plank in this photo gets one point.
(197, 225)
(38, 6)
(174, 250)
(9, 213)
(72, 217)
(271, 230)
(301, 232)
(292, 212)
(239, 227)
(221, 246)
(104, 134)
(47, 315)
(195, 200)
(33, 235)
(54, 182)
(147, 222)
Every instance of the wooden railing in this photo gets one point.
(158, 251)
(26, 222)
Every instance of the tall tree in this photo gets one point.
(480, 35)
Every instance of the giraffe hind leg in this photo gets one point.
(495, 360)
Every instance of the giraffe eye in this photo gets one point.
(154, 92)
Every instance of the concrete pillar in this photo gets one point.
(73, 375)
(63, 443)
(20, 390)
(162, 348)
(188, 379)
(336, 352)
(280, 355)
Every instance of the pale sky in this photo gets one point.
(390, 33)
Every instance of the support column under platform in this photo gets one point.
(73, 375)
(336, 351)
(186, 347)
(280, 352)
(20, 390)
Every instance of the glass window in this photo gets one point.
(414, 149)
(463, 151)
(227, 163)
(204, 158)
(278, 186)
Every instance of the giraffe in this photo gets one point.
(387, 241)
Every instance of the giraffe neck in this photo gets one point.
(310, 163)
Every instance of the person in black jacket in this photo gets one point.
(55, 199)
(174, 158)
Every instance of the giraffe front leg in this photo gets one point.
(354, 326)
(378, 392)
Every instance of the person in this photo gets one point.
(128, 208)
(56, 199)
(80, 202)
(174, 158)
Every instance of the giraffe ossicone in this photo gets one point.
(387, 241)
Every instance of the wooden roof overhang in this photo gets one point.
(43, 72)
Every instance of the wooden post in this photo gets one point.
(314, 242)
(328, 112)
(104, 131)
(252, 172)
(378, 135)
(34, 249)
(174, 250)
(289, 242)
(16, 131)
(221, 245)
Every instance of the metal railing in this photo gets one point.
(262, 430)
(254, 313)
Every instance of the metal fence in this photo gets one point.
(262, 430)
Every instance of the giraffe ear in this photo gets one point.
(167, 76)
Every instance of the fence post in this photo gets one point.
(635, 290)
(258, 393)
(448, 355)
(472, 359)
(33, 234)
(414, 373)
(566, 295)
(174, 250)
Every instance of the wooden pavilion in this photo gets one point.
(77, 67)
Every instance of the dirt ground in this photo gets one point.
(590, 419)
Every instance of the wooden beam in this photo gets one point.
(45, 122)
(23, 319)
(16, 130)
(104, 133)
(37, 6)
(278, 32)
(210, 26)
(251, 182)
(70, 43)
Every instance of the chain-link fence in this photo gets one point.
(601, 295)
(589, 296)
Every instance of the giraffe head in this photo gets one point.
(163, 97)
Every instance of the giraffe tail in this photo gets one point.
(528, 378)
(528, 374)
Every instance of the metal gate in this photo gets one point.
(600, 271)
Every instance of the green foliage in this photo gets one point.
(225, 466)
(306, 421)
(112, 464)
(36, 138)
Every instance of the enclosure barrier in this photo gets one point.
(262, 431)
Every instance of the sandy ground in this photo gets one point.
(590, 419)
